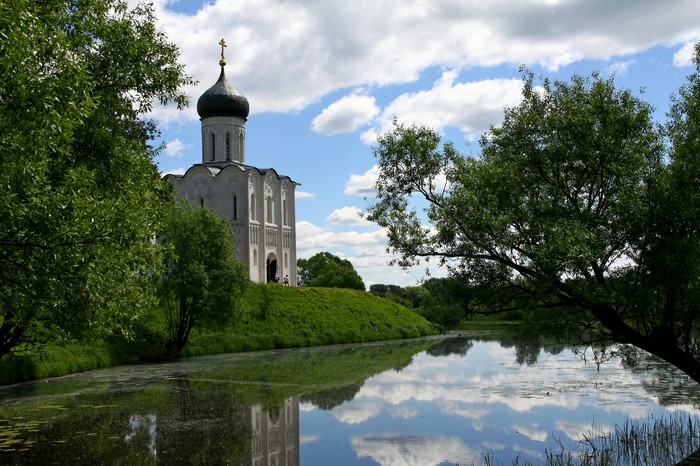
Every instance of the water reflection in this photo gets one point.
(429, 402)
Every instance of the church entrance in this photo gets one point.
(272, 275)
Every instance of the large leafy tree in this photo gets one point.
(203, 280)
(579, 207)
(327, 270)
(80, 196)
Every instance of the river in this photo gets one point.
(462, 400)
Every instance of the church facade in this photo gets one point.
(257, 203)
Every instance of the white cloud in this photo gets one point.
(304, 195)
(472, 107)
(347, 216)
(175, 148)
(345, 115)
(362, 185)
(619, 68)
(284, 55)
(365, 250)
(684, 57)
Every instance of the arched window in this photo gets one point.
(255, 257)
(201, 201)
(270, 217)
(253, 215)
(286, 260)
(228, 147)
(213, 147)
(234, 212)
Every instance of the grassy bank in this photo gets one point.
(270, 316)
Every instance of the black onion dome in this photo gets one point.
(222, 99)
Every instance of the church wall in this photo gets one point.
(216, 147)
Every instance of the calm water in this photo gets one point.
(428, 402)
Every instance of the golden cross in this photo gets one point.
(222, 43)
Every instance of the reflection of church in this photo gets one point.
(274, 435)
(257, 203)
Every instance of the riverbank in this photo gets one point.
(270, 316)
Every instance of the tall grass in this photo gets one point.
(656, 442)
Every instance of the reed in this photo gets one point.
(654, 442)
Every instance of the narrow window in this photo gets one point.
(213, 147)
(228, 147)
(284, 213)
(201, 202)
(252, 207)
(269, 209)
(255, 257)
(235, 207)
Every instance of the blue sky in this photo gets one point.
(324, 77)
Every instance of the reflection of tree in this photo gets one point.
(202, 425)
(527, 348)
(336, 396)
(198, 416)
(458, 345)
(171, 423)
(668, 384)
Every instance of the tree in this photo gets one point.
(576, 208)
(203, 280)
(326, 270)
(80, 196)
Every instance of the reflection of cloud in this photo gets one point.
(464, 411)
(575, 430)
(311, 438)
(493, 445)
(528, 451)
(530, 431)
(306, 406)
(356, 413)
(390, 449)
(405, 412)
(459, 386)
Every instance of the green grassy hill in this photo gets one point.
(270, 316)
(276, 316)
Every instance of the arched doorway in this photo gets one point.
(271, 265)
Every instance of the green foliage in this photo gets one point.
(203, 280)
(80, 196)
(575, 203)
(326, 270)
(297, 317)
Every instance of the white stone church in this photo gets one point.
(258, 203)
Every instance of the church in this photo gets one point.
(257, 203)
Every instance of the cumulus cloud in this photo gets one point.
(175, 148)
(472, 107)
(362, 185)
(284, 55)
(684, 57)
(345, 115)
(366, 251)
(347, 216)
